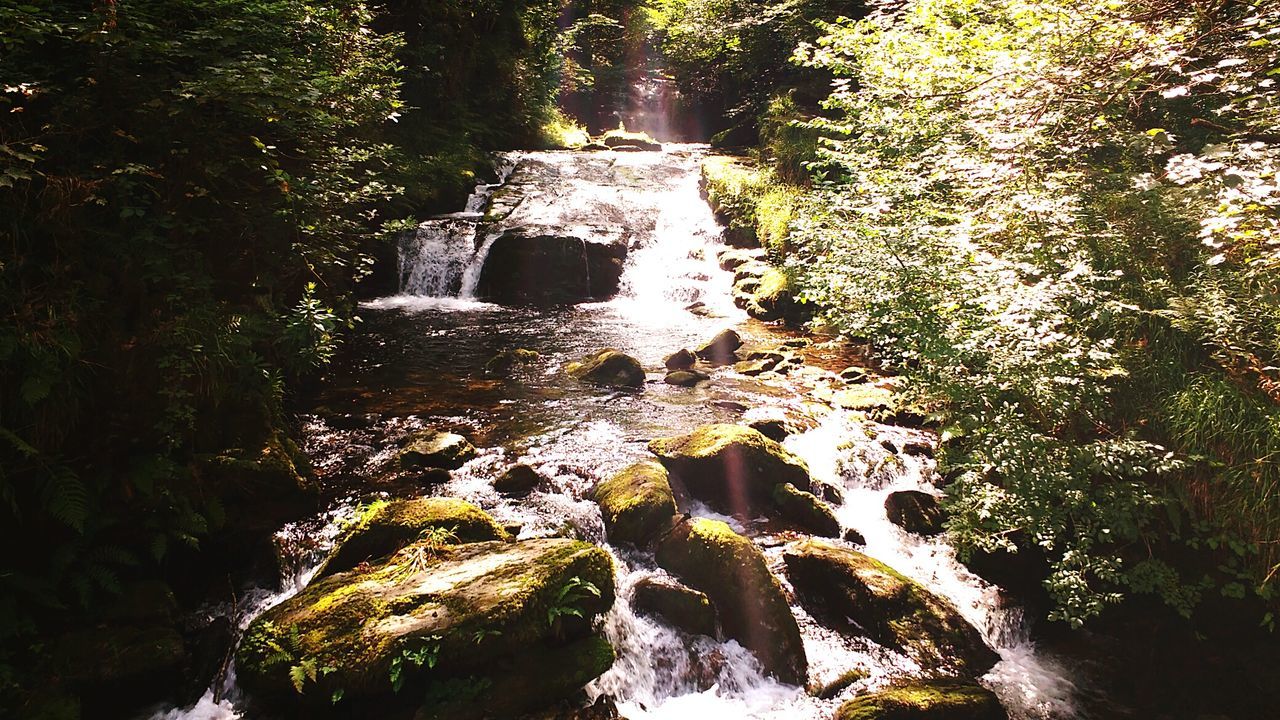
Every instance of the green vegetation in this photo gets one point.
(1072, 263)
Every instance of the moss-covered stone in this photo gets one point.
(926, 700)
(870, 399)
(435, 449)
(839, 683)
(277, 469)
(861, 594)
(805, 510)
(914, 511)
(517, 480)
(682, 359)
(503, 362)
(384, 527)
(681, 607)
(636, 503)
(749, 600)
(732, 466)
(468, 606)
(527, 682)
(721, 348)
(733, 257)
(608, 367)
(685, 378)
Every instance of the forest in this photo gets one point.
(853, 359)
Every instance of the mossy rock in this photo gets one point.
(679, 606)
(608, 367)
(860, 594)
(721, 348)
(805, 510)
(636, 503)
(277, 469)
(773, 298)
(732, 466)
(926, 700)
(914, 511)
(528, 682)
(619, 138)
(469, 606)
(518, 479)
(709, 556)
(730, 259)
(435, 449)
(685, 378)
(839, 684)
(682, 359)
(503, 362)
(384, 527)
(870, 399)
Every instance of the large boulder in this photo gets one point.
(427, 617)
(731, 466)
(720, 349)
(532, 269)
(863, 595)
(681, 607)
(608, 367)
(709, 556)
(518, 479)
(435, 449)
(946, 699)
(682, 359)
(805, 510)
(384, 527)
(636, 503)
(914, 511)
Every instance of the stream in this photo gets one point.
(420, 361)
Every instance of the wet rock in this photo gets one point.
(754, 269)
(505, 361)
(797, 343)
(947, 699)
(608, 367)
(730, 259)
(854, 375)
(546, 676)
(540, 269)
(517, 480)
(277, 469)
(481, 610)
(433, 476)
(355, 421)
(679, 606)
(918, 449)
(595, 146)
(889, 445)
(637, 503)
(730, 405)
(685, 378)
(773, 297)
(826, 491)
(839, 684)
(776, 429)
(732, 466)
(805, 510)
(385, 527)
(754, 367)
(604, 708)
(860, 594)
(866, 398)
(682, 359)
(709, 556)
(721, 348)
(914, 511)
(435, 449)
(211, 648)
(853, 536)
(632, 140)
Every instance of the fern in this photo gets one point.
(66, 499)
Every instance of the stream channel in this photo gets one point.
(420, 361)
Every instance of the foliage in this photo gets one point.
(302, 668)
(569, 597)
(427, 654)
(1023, 205)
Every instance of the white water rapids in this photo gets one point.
(576, 439)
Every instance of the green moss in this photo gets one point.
(711, 557)
(608, 367)
(927, 700)
(726, 464)
(636, 503)
(893, 610)
(805, 510)
(839, 684)
(621, 136)
(384, 527)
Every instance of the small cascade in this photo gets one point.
(434, 258)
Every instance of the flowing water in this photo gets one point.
(420, 361)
